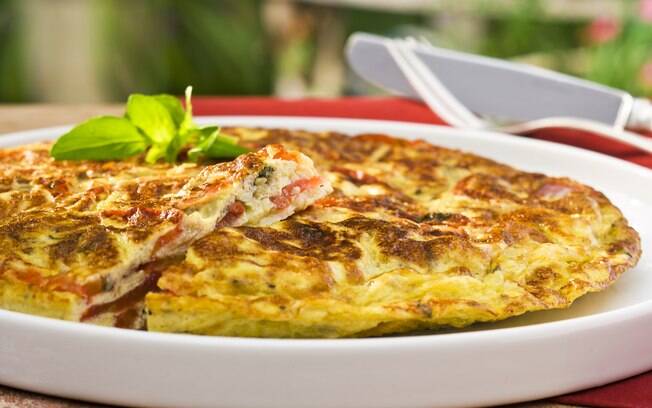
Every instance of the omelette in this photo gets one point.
(413, 237)
(353, 237)
(85, 241)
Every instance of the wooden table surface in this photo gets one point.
(22, 117)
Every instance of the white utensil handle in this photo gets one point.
(431, 91)
(641, 116)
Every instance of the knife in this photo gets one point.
(505, 92)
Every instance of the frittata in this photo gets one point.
(413, 237)
(86, 241)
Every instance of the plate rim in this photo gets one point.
(589, 322)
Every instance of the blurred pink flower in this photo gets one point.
(602, 30)
(645, 75)
(645, 10)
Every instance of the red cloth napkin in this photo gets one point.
(633, 392)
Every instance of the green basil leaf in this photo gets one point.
(212, 144)
(205, 140)
(207, 135)
(159, 122)
(187, 123)
(225, 150)
(152, 117)
(173, 106)
(178, 142)
(227, 139)
(155, 153)
(101, 138)
(186, 128)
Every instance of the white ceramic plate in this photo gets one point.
(602, 338)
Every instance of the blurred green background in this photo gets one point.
(101, 50)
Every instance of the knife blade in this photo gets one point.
(506, 92)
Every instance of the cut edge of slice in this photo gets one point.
(281, 183)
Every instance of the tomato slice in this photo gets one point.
(280, 201)
(285, 155)
(233, 213)
(168, 237)
(57, 282)
(292, 190)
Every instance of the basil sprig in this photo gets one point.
(157, 124)
(212, 144)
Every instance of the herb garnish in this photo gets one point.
(155, 122)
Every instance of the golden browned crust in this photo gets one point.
(414, 237)
(82, 229)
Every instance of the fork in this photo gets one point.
(441, 101)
